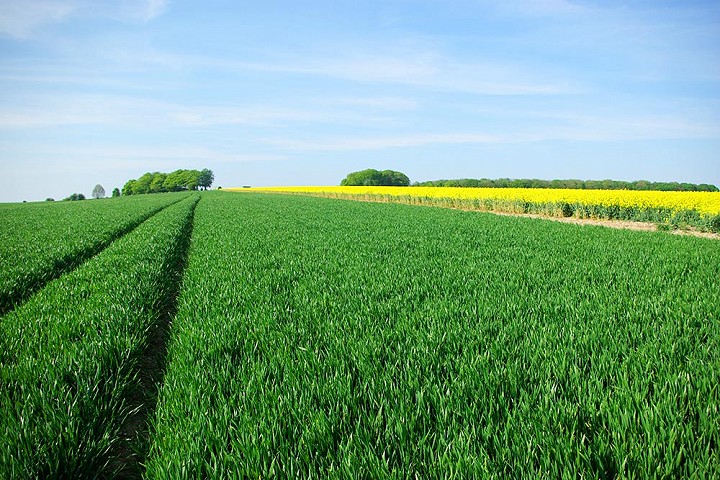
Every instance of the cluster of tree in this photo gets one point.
(158, 182)
(579, 184)
(75, 196)
(372, 177)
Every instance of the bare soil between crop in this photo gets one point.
(620, 224)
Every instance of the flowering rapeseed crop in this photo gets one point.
(692, 208)
(705, 203)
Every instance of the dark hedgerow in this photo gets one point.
(715, 224)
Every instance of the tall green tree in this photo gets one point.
(142, 184)
(129, 188)
(191, 179)
(157, 184)
(173, 181)
(206, 178)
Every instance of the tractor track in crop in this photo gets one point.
(67, 264)
(128, 458)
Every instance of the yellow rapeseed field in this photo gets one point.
(704, 203)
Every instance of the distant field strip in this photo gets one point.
(40, 241)
(69, 355)
(697, 209)
(324, 339)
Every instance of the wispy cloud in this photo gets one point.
(141, 158)
(20, 18)
(394, 117)
(543, 7)
(397, 141)
(428, 71)
(78, 109)
(643, 127)
(413, 64)
(581, 129)
(375, 102)
(253, 115)
(150, 9)
(126, 111)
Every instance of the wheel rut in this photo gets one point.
(67, 264)
(128, 458)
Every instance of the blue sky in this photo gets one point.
(301, 93)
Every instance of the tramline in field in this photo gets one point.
(70, 356)
(39, 242)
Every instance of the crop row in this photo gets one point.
(70, 390)
(325, 339)
(40, 241)
(672, 209)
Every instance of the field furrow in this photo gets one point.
(72, 393)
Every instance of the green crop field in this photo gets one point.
(38, 242)
(321, 338)
(69, 355)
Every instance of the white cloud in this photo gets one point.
(265, 115)
(79, 109)
(400, 141)
(644, 127)
(528, 125)
(145, 10)
(379, 102)
(576, 129)
(545, 7)
(125, 10)
(123, 157)
(20, 18)
(42, 111)
(483, 78)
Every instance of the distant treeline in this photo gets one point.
(579, 184)
(158, 182)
